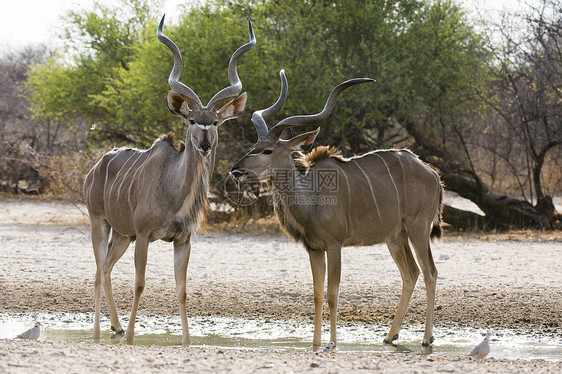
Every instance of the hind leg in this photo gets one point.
(117, 247)
(402, 255)
(100, 236)
(419, 236)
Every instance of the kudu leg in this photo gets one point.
(425, 260)
(181, 260)
(334, 276)
(100, 237)
(141, 254)
(117, 247)
(318, 266)
(409, 271)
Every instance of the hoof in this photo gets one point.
(428, 344)
(386, 341)
(121, 331)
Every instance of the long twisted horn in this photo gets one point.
(304, 120)
(235, 83)
(258, 117)
(173, 80)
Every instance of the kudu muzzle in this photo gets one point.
(205, 146)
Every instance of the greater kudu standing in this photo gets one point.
(159, 193)
(327, 202)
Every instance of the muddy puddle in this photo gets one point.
(287, 335)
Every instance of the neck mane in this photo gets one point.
(303, 161)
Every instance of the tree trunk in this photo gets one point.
(462, 220)
(502, 211)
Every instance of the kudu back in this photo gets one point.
(159, 193)
(327, 202)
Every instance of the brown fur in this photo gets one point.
(386, 196)
(289, 224)
(306, 161)
(171, 139)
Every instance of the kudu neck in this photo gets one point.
(193, 166)
(290, 184)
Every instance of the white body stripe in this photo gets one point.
(107, 169)
(371, 187)
(392, 180)
(140, 153)
(106, 176)
(117, 176)
(403, 178)
(133, 181)
(92, 184)
(346, 182)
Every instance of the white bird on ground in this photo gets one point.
(31, 334)
(482, 349)
(329, 347)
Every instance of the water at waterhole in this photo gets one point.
(240, 333)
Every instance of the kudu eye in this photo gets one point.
(192, 122)
(215, 123)
(267, 151)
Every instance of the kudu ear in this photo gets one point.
(232, 109)
(286, 134)
(178, 105)
(304, 142)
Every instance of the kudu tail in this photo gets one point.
(437, 230)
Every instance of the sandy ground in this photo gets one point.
(493, 281)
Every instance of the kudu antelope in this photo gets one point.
(327, 202)
(159, 193)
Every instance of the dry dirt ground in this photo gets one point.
(485, 281)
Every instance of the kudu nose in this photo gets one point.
(205, 145)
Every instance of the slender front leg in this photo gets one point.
(141, 253)
(181, 259)
(334, 276)
(318, 266)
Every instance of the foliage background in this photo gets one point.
(444, 88)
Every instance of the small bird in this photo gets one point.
(482, 349)
(329, 347)
(31, 334)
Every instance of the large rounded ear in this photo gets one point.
(303, 142)
(232, 109)
(178, 105)
(286, 134)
